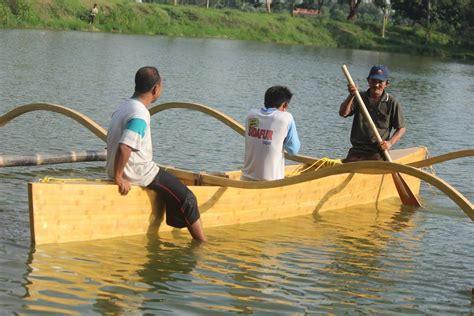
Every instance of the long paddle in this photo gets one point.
(404, 191)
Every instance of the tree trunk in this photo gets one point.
(428, 33)
(320, 6)
(384, 23)
(353, 5)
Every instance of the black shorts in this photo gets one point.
(181, 205)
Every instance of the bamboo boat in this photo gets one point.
(63, 210)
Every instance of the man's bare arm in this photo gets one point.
(347, 104)
(121, 159)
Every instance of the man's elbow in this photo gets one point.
(402, 131)
(293, 150)
(343, 113)
(125, 149)
(341, 110)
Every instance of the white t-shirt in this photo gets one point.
(130, 125)
(267, 133)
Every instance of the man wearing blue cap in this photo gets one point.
(386, 112)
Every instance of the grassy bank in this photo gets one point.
(125, 16)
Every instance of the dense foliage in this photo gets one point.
(446, 29)
(452, 17)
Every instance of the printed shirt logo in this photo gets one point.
(253, 122)
(260, 133)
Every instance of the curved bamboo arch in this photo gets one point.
(84, 120)
(100, 132)
(220, 116)
(355, 167)
(240, 129)
(442, 158)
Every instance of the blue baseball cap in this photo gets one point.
(379, 72)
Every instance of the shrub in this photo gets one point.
(20, 9)
(6, 16)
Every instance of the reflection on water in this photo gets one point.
(358, 261)
(345, 257)
(110, 276)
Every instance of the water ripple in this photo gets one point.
(371, 260)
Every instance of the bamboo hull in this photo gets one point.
(65, 212)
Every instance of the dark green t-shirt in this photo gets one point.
(387, 115)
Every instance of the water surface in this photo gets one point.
(366, 260)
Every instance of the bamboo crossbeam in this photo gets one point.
(52, 158)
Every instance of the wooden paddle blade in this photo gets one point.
(404, 191)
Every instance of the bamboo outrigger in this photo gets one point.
(64, 211)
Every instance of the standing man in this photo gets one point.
(93, 13)
(386, 112)
(129, 155)
(268, 132)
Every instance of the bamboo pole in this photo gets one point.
(52, 158)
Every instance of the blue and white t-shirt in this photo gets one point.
(130, 125)
(268, 132)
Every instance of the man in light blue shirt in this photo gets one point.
(270, 131)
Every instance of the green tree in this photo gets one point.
(450, 16)
(451, 12)
(423, 12)
(414, 10)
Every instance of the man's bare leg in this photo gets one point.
(196, 231)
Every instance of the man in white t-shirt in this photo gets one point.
(269, 131)
(130, 155)
(93, 13)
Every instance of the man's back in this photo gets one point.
(266, 131)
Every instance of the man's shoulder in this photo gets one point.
(135, 106)
(132, 109)
(285, 115)
(253, 111)
(389, 98)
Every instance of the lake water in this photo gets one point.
(386, 260)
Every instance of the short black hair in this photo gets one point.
(276, 95)
(146, 78)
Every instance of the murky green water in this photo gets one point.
(386, 260)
